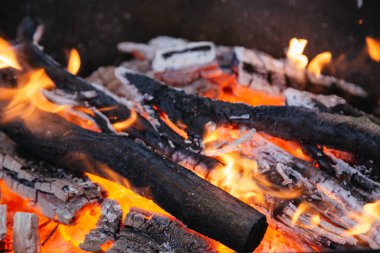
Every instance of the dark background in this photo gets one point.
(96, 26)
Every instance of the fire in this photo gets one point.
(295, 53)
(165, 118)
(373, 48)
(240, 175)
(74, 62)
(125, 124)
(319, 62)
(7, 56)
(366, 219)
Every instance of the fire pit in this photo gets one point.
(185, 146)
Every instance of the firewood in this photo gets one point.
(261, 71)
(25, 233)
(200, 205)
(107, 227)
(148, 232)
(328, 196)
(155, 134)
(59, 193)
(356, 135)
(3, 221)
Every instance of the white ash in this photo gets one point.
(196, 53)
(306, 99)
(352, 88)
(3, 222)
(244, 116)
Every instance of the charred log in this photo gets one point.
(356, 135)
(3, 221)
(160, 137)
(148, 232)
(59, 193)
(200, 205)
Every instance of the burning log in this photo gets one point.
(25, 233)
(200, 205)
(158, 136)
(58, 193)
(261, 71)
(356, 135)
(147, 232)
(107, 227)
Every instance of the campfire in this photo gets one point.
(186, 147)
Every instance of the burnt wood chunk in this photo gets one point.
(3, 221)
(148, 232)
(356, 135)
(197, 203)
(25, 233)
(107, 227)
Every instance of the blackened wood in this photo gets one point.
(3, 222)
(357, 135)
(200, 205)
(141, 130)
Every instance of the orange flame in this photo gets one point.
(373, 48)
(74, 62)
(123, 125)
(319, 62)
(295, 53)
(165, 118)
(8, 56)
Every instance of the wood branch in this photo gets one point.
(25, 233)
(356, 135)
(3, 222)
(200, 205)
(107, 227)
(59, 193)
(160, 137)
(148, 232)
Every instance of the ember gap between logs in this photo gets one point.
(187, 146)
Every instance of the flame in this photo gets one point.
(373, 48)
(165, 118)
(8, 56)
(123, 125)
(295, 53)
(319, 62)
(74, 62)
(366, 219)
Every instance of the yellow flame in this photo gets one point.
(239, 175)
(369, 215)
(8, 56)
(319, 62)
(373, 48)
(295, 53)
(74, 62)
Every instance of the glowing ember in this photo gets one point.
(74, 62)
(295, 53)
(319, 62)
(373, 48)
(165, 118)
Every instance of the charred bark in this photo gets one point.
(200, 205)
(357, 135)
